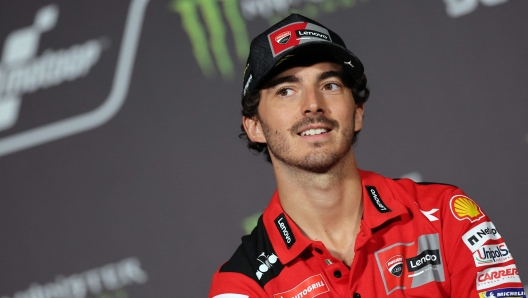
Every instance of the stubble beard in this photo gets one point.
(316, 161)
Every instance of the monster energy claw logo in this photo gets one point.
(212, 15)
(208, 39)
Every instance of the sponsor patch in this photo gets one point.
(307, 34)
(376, 199)
(310, 287)
(492, 254)
(411, 265)
(395, 265)
(285, 230)
(463, 207)
(281, 39)
(429, 214)
(504, 292)
(479, 235)
(497, 276)
(267, 262)
(427, 257)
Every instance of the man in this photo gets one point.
(332, 230)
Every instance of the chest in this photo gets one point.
(396, 261)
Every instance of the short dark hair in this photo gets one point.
(250, 104)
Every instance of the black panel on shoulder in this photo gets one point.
(255, 257)
(429, 183)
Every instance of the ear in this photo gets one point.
(253, 129)
(358, 117)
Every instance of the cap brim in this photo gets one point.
(311, 53)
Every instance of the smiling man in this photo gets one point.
(332, 230)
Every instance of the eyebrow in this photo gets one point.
(278, 81)
(330, 74)
(294, 79)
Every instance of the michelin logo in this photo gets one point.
(23, 72)
(503, 292)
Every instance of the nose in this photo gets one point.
(313, 103)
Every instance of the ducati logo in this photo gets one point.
(412, 264)
(283, 37)
(395, 265)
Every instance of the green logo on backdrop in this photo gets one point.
(250, 222)
(208, 23)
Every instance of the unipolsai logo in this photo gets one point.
(209, 23)
(25, 69)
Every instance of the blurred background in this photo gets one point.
(121, 171)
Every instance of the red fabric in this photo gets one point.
(385, 240)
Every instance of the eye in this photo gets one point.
(331, 86)
(284, 92)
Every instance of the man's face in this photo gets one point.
(307, 117)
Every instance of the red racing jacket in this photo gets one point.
(415, 240)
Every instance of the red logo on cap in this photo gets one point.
(282, 37)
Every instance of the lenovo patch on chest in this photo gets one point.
(308, 288)
(411, 265)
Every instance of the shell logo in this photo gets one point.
(464, 208)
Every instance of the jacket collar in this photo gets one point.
(379, 206)
(379, 202)
(279, 227)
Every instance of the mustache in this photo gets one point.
(331, 123)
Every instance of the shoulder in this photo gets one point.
(412, 193)
(406, 186)
(253, 257)
(422, 189)
(426, 200)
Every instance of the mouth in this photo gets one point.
(314, 131)
(314, 127)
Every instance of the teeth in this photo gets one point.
(313, 132)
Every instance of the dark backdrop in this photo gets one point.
(121, 173)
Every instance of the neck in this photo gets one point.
(326, 206)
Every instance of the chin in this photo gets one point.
(320, 162)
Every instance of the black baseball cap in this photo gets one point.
(296, 40)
